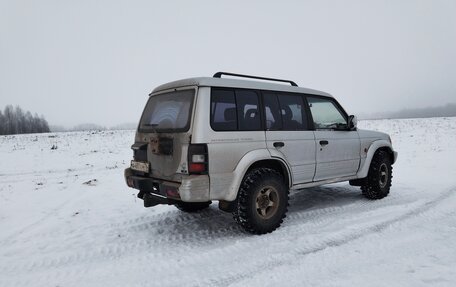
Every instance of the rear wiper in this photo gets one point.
(152, 126)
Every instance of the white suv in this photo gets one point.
(246, 143)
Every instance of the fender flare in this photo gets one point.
(245, 163)
(375, 145)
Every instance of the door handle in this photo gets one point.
(324, 142)
(278, 144)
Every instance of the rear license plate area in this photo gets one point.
(140, 166)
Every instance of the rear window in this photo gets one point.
(168, 112)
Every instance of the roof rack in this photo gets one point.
(219, 75)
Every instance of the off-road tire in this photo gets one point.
(378, 182)
(261, 187)
(192, 206)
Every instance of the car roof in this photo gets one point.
(233, 83)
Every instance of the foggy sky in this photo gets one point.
(96, 61)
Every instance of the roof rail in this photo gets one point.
(219, 75)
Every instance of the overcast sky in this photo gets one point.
(96, 61)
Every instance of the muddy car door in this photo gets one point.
(287, 133)
(337, 146)
(163, 134)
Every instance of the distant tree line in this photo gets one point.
(13, 120)
(448, 110)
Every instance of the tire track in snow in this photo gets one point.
(86, 173)
(54, 174)
(62, 265)
(168, 220)
(328, 242)
(174, 230)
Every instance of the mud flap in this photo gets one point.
(151, 199)
(358, 182)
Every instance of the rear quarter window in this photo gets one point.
(235, 110)
(168, 112)
(223, 110)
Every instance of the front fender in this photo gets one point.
(362, 172)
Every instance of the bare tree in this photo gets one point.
(16, 121)
(9, 118)
(28, 121)
(44, 125)
(2, 123)
(19, 120)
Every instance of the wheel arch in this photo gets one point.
(379, 145)
(388, 150)
(276, 164)
(256, 159)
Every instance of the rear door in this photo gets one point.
(288, 134)
(337, 146)
(163, 132)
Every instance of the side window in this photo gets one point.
(223, 110)
(292, 111)
(233, 110)
(326, 114)
(272, 111)
(248, 114)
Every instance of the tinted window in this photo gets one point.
(248, 113)
(326, 114)
(223, 110)
(272, 111)
(292, 111)
(168, 112)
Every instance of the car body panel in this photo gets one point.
(298, 152)
(231, 153)
(340, 157)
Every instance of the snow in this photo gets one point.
(68, 219)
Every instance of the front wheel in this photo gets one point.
(262, 201)
(378, 182)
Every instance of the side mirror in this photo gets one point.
(352, 122)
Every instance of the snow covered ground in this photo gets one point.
(68, 219)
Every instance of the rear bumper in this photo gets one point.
(192, 188)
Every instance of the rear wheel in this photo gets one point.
(262, 201)
(378, 182)
(192, 206)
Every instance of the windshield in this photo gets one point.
(168, 112)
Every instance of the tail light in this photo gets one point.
(197, 159)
